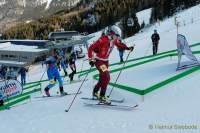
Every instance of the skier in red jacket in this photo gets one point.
(102, 48)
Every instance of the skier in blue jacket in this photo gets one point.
(62, 61)
(53, 75)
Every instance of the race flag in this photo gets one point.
(184, 49)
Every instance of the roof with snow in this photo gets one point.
(39, 43)
(12, 47)
(64, 34)
(5, 62)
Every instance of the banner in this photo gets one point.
(184, 49)
(9, 88)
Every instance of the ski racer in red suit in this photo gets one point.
(102, 48)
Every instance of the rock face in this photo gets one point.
(13, 11)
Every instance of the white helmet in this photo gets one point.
(116, 30)
(113, 29)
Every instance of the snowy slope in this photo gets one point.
(144, 16)
(167, 29)
(48, 4)
(2, 2)
(12, 47)
(174, 104)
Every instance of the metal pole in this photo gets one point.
(119, 75)
(67, 110)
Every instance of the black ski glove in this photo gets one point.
(91, 62)
(131, 48)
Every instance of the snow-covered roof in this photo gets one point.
(12, 47)
(12, 62)
(64, 34)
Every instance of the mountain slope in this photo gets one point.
(12, 11)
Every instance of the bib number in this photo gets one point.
(52, 81)
(103, 68)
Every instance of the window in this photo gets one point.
(4, 56)
(24, 57)
(12, 56)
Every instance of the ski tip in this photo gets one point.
(66, 110)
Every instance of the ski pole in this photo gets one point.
(67, 110)
(119, 74)
(82, 65)
(44, 71)
(42, 75)
(41, 80)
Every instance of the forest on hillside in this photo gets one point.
(92, 16)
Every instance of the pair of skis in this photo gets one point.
(68, 82)
(115, 104)
(92, 102)
(57, 95)
(68, 94)
(111, 100)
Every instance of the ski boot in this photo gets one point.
(62, 93)
(104, 100)
(121, 61)
(46, 90)
(96, 95)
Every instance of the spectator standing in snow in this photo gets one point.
(155, 41)
(1, 98)
(3, 70)
(22, 73)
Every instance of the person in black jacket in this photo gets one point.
(1, 99)
(155, 40)
(1, 102)
(72, 64)
(22, 72)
